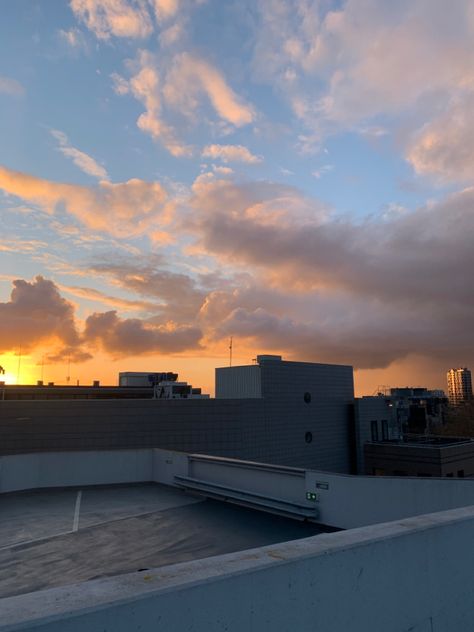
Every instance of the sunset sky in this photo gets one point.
(296, 174)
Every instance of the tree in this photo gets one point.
(459, 421)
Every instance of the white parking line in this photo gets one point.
(75, 524)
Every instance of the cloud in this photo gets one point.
(74, 38)
(366, 293)
(165, 9)
(417, 255)
(178, 89)
(145, 87)
(26, 246)
(178, 295)
(69, 354)
(122, 209)
(260, 202)
(120, 18)
(318, 173)
(11, 87)
(223, 171)
(443, 147)
(115, 301)
(133, 336)
(230, 153)
(36, 313)
(82, 160)
(190, 76)
(340, 68)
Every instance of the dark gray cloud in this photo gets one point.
(177, 296)
(366, 293)
(36, 312)
(69, 354)
(130, 336)
(423, 255)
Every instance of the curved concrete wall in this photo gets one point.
(343, 501)
(414, 575)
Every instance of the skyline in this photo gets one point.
(295, 174)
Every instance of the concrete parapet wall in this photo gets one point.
(342, 501)
(356, 501)
(71, 469)
(412, 575)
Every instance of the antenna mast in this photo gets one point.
(230, 351)
(19, 365)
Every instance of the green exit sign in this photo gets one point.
(312, 496)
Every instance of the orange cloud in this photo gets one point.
(122, 209)
(36, 312)
(165, 9)
(145, 87)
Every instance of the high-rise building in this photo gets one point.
(459, 385)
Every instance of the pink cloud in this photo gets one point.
(230, 153)
(121, 18)
(190, 76)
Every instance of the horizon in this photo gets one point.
(295, 174)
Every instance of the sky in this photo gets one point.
(295, 174)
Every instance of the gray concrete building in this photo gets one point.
(374, 419)
(300, 416)
(421, 456)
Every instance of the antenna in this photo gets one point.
(19, 365)
(68, 378)
(230, 351)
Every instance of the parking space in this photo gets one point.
(59, 537)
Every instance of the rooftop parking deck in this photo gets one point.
(52, 538)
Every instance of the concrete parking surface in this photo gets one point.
(58, 537)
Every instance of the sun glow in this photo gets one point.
(18, 369)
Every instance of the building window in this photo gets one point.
(450, 475)
(374, 430)
(307, 398)
(399, 473)
(460, 473)
(308, 437)
(384, 430)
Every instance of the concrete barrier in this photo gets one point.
(413, 575)
(355, 501)
(71, 469)
(340, 501)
